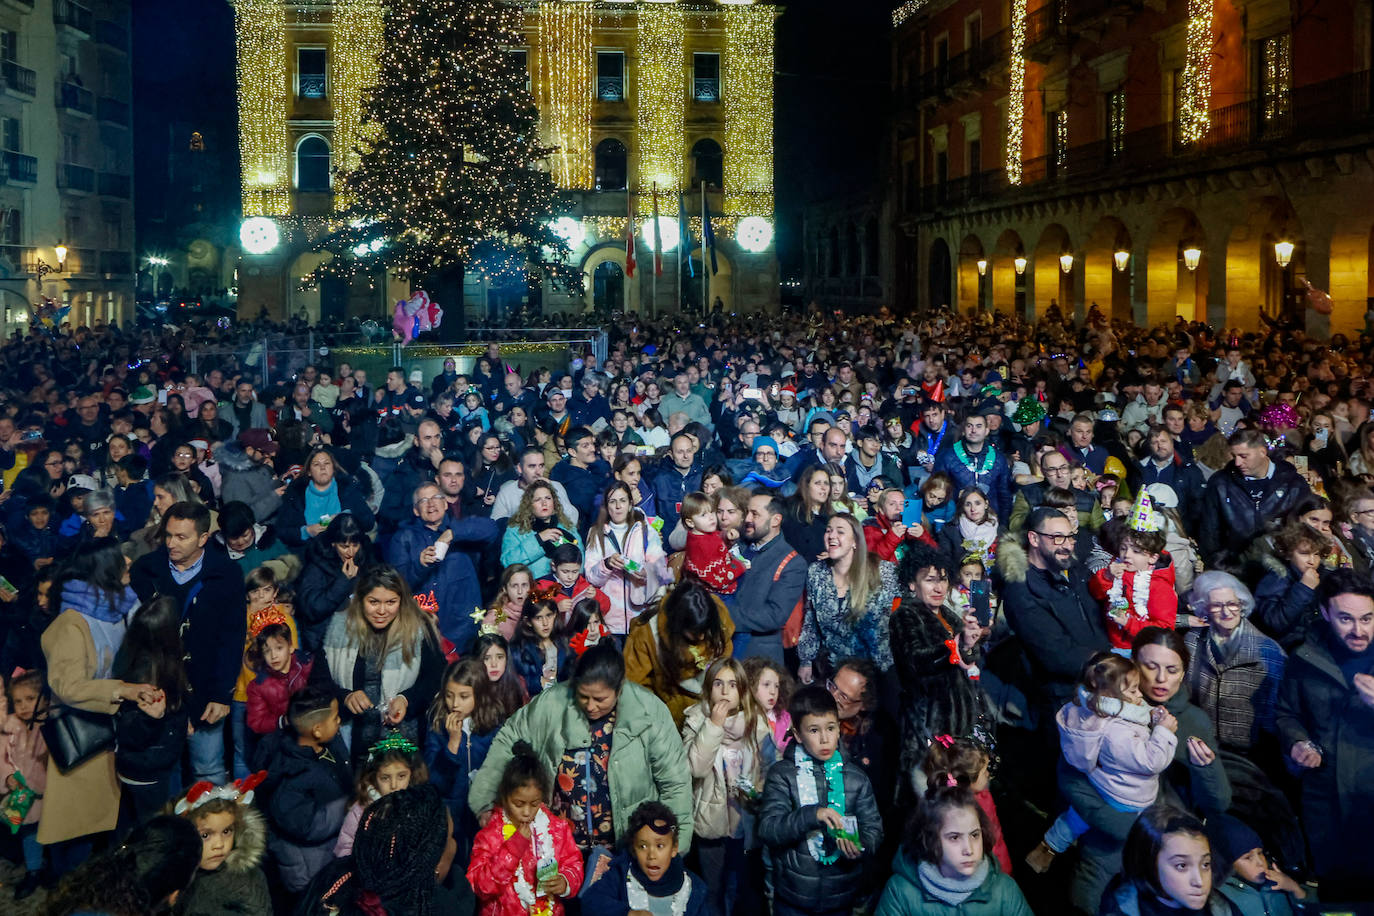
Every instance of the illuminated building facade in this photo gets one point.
(632, 95)
(1161, 158)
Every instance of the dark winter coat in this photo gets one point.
(1230, 519)
(398, 503)
(1127, 899)
(583, 486)
(783, 825)
(1032, 496)
(305, 798)
(213, 625)
(238, 886)
(243, 480)
(1318, 703)
(608, 896)
(453, 580)
(1286, 607)
(1184, 477)
(528, 660)
(321, 591)
(353, 493)
(995, 481)
(148, 749)
(451, 775)
(669, 486)
(1058, 622)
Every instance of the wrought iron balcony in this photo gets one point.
(707, 90)
(1047, 30)
(113, 111)
(21, 168)
(610, 88)
(75, 178)
(72, 97)
(116, 262)
(22, 259)
(73, 15)
(112, 184)
(311, 85)
(111, 34)
(19, 79)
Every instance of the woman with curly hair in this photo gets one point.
(143, 876)
(536, 529)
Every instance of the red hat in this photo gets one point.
(789, 389)
(260, 439)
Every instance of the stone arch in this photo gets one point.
(1103, 282)
(1049, 282)
(312, 159)
(1008, 286)
(614, 253)
(972, 284)
(1171, 288)
(1254, 280)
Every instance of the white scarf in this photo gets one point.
(638, 898)
(1140, 593)
(543, 854)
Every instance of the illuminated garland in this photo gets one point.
(607, 228)
(661, 101)
(747, 93)
(353, 69)
(1278, 75)
(906, 11)
(1016, 91)
(260, 37)
(1194, 116)
(563, 77)
(1061, 138)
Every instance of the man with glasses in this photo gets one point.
(1058, 472)
(431, 550)
(1048, 606)
(868, 734)
(1360, 511)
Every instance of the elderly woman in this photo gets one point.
(536, 529)
(848, 603)
(316, 496)
(598, 782)
(1236, 670)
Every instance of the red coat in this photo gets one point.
(708, 559)
(491, 869)
(999, 848)
(270, 693)
(879, 539)
(581, 589)
(1161, 608)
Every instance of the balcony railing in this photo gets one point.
(74, 98)
(969, 64)
(610, 88)
(113, 111)
(312, 85)
(75, 177)
(22, 258)
(111, 34)
(82, 261)
(73, 15)
(1046, 29)
(19, 79)
(114, 185)
(707, 90)
(116, 262)
(19, 167)
(1329, 109)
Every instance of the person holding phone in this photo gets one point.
(938, 665)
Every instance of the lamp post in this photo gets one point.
(61, 251)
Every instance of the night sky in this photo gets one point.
(831, 85)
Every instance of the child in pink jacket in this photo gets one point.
(24, 768)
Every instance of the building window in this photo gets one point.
(14, 134)
(975, 156)
(611, 169)
(521, 59)
(706, 77)
(941, 62)
(312, 164)
(610, 76)
(71, 147)
(973, 33)
(1275, 78)
(12, 227)
(1057, 141)
(9, 45)
(312, 69)
(1115, 104)
(114, 235)
(708, 163)
(73, 227)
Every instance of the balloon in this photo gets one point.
(414, 316)
(1320, 300)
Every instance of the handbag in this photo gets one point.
(74, 735)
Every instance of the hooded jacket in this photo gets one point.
(1125, 899)
(713, 817)
(1230, 519)
(244, 480)
(609, 895)
(1120, 752)
(238, 886)
(492, 870)
(306, 796)
(907, 895)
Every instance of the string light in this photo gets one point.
(1016, 89)
(1061, 138)
(1195, 94)
(747, 94)
(353, 70)
(906, 11)
(260, 37)
(565, 88)
(661, 102)
(1278, 75)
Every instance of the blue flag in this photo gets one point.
(684, 232)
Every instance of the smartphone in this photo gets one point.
(981, 599)
(162, 396)
(1300, 462)
(909, 392)
(752, 394)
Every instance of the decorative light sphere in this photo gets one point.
(754, 233)
(569, 230)
(360, 250)
(668, 229)
(259, 235)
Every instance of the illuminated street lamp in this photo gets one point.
(1192, 256)
(1020, 264)
(1283, 252)
(61, 252)
(1121, 259)
(982, 267)
(1066, 262)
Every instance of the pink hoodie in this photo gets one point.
(1120, 753)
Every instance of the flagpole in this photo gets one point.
(658, 246)
(704, 218)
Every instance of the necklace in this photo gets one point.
(984, 461)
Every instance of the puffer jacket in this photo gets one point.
(353, 496)
(1230, 519)
(322, 590)
(647, 763)
(1122, 755)
(799, 880)
(242, 480)
(496, 858)
(713, 817)
(453, 580)
(238, 886)
(906, 894)
(270, 693)
(305, 797)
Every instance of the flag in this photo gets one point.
(658, 231)
(708, 237)
(629, 234)
(684, 231)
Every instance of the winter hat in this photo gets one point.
(1028, 411)
(143, 394)
(417, 377)
(1233, 837)
(764, 442)
(193, 398)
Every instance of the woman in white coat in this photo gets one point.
(624, 558)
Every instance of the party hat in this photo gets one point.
(1144, 516)
(261, 620)
(1028, 411)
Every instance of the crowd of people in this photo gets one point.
(903, 616)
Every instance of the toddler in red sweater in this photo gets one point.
(709, 556)
(1137, 588)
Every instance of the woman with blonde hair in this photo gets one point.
(536, 529)
(849, 597)
(384, 654)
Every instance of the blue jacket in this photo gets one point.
(450, 774)
(995, 481)
(305, 798)
(453, 580)
(608, 896)
(670, 485)
(528, 661)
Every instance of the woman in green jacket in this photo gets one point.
(598, 782)
(945, 866)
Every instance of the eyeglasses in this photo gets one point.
(1369, 511)
(1057, 539)
(430, 499)
(839, 694)
(1230, 607)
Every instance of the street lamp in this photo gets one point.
(61, 252)
(1020, 264)
(1121, 259)
(1066, 262)
(982, 267)
(1283, 252)
(1192, 256)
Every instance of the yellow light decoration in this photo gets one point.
(747, 95)
(563, 88)
(661, 101)
(982, 264)
(1283, 253)
(906, 11)
(260, 30)
(1016, 89)
(1061, 138)
(353, 69)
(1195, 94)
(1278, 76)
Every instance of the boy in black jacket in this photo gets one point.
(308, 787)
(819, 817)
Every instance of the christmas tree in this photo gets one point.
(449, 174)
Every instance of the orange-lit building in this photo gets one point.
(1158, 157)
